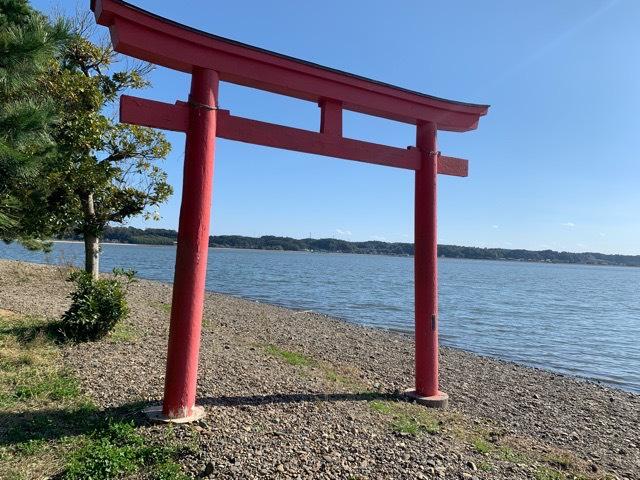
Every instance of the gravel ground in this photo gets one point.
(268, 418)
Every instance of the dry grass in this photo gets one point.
(31, 373)
(31, 380)
(49, 429)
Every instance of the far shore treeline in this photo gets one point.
(160, 236)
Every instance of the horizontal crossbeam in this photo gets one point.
(166, 116)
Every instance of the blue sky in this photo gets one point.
(555, 163)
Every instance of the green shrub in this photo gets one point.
(96, 306)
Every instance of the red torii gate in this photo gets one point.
(209, 59)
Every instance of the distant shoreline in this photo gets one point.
(286, 244)
(350, 253)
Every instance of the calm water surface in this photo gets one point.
(575, 319)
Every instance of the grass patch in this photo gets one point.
(119, 450)
(123, 332)
(486, 439)
(50, 430)
(292, 358)
(342, 376)
(336, 377)
(406, 418)
(546, 473)
(31, 447)
(557, 465)
(163, 307)
(508, 454)
(414, 425)
(32, 380)
(50, 386)
(561, 460)
(30, 365)
(381, 406)
(482, 446)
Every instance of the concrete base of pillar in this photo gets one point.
(441, 400)
(155, 415)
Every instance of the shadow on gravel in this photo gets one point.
(26, 334)
(256, 400)
(55, 424)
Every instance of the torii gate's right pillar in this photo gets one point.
(426, 270)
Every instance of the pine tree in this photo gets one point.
(102, 171)
(28, 45)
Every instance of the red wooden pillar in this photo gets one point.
(192, 250)
(426, 270)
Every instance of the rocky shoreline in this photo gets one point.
(293, 394)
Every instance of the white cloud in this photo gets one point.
(602, 234)
(343, 232)
(495, 226)
(569, 224)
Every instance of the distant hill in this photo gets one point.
(160, 236)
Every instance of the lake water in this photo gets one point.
(575, 319)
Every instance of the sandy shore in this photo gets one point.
(335, 413)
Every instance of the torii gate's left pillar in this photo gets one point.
(191, 256)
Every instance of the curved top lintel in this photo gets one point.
(158, 40)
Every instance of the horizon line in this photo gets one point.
(388, 242)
